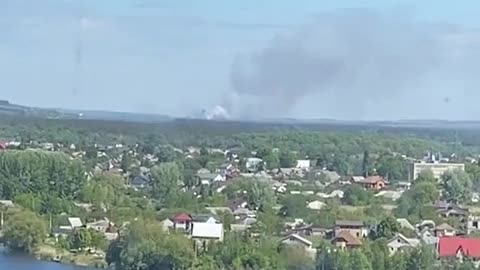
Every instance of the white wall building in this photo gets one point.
(438, 169)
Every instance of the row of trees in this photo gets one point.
(40, 172)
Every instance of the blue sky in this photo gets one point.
(165, 56)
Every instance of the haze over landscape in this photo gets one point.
(381, 60)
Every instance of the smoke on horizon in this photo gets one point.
(359, 58)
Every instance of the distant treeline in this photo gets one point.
(183, 132)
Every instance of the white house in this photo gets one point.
(167, 224)
(303, 164)
(7, 203)
(75, 222)
(202, 231)
(219, 178)
(399, 242)
(295, 239)
(252, 163)
(316, 205)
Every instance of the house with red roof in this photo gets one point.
(459, 247)
(182, 221)
(373, 182)
(3, 145)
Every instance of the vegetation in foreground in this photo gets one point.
(47, 187)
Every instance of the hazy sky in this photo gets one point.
(177, 56)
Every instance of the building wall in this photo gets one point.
(438, 169)
(357, 232)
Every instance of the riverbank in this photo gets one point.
(49, 253)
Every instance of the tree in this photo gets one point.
(392, 167)
(24, 231)
(421, 259)
(30, 201)
(165, 179)
(340, 165)
(387, 227)
(226, 218)
(40, 172)
(165, 153)
(424, 193)
(356, 195)
(294, 206)
(85, 238)
(241, 252)
(425, 176)
(287, 159)
(145, 246)
(271, 223)
(126, 161)
(360, 261)
(255, 193)
(91, 152)
(342, 260)
(272, 160)
(365, 163)
(457, 186)
(297, 258)
(81, 239)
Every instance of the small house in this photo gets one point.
(355, 228)
(373, 182)
(400, 243)
(140, 182)
(459, 248)
(303, 164)
(444, 230)
(297, 240)
(207, 231)
(345, 240)
(182, 221)
(316, 205)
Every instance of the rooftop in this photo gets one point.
(207, 230)
(353, 223)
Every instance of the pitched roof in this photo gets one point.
(450, 246)
(404, 223)
(75, 222)
(358, 178)
(203, 218)
(444, 227)
(207, 230)
(298, 238)
(372, 180)
(355, 223)
(348, 238)
(409, 241)
(182, 217)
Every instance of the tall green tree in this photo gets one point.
(422, 259)
(126, 161)
(24, 230)
(360, 261)
(365, 163)
(145, 246)
(457, 186)
(165, 180)
(287, 159)
(40, 172)
(387, 227)
(392, 167)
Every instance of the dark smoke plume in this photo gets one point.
(358, 58)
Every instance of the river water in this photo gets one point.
(23, 262)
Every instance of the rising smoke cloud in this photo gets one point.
(358, 58)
